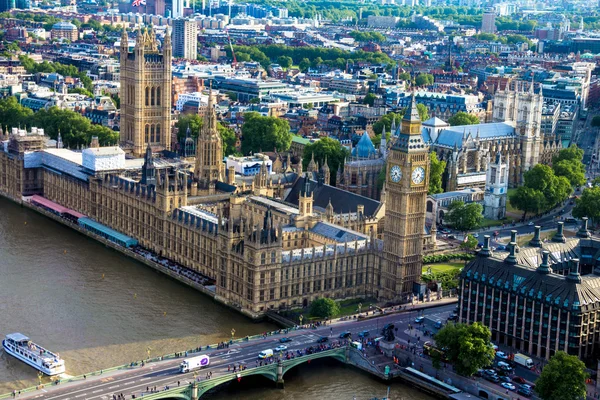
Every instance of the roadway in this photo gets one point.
(166, 373)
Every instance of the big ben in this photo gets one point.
(407, 182)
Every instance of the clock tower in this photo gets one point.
(406, 185)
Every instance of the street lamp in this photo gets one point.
(40, 375)
(359, 307)
(301, 317)
(232, 333)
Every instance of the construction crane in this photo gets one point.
(234, 63)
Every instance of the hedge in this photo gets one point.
(440, 258)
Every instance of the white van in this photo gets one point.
(265, 354)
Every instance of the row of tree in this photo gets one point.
(194, 123)
(75, 129)
(33, 67)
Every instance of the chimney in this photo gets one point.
(94, 144)
(536, 241)
(583, 231)
(485, 251)
(511, 258)
(574, 271)
(513, 241)
(231, 175)
(544, 267)
(559, 237)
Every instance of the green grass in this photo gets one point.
(350, 306)
(486, 223)
(524, 239)
(445, 267)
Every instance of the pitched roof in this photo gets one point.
(364, 148)
(435, 121)
(454, 135)
(341, 200)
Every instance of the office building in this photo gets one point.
(185, 39)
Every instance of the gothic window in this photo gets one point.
(147, 133)
(147, 96)
(501, 111)
(493, 177)
(502, 171)
(158, 96)
(152, 97)
(152, 134)
(157, 134)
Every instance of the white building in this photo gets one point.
(250, 165)
(185, 39)
(183, 98)
(496, 188)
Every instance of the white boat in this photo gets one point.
(19, 346)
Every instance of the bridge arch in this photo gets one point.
(338, 354)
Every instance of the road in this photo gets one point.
(166, 373)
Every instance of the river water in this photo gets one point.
(98, 309)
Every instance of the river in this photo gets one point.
(98, 309)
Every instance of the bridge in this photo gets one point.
(274, 372)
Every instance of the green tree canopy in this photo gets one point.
(568, 163)
(470, 243)
(436, 170)
(370, 99)
(285, 61)
(463, 118)
(563, 378)
(555, 188)
(528, 200)
(468, 347)
(194, 122)
(324, 307)
(304, 64)
(13, 114)
(325, 147)
(387, 119)
(264, 134)
(404, 76)
(464, 217)
(424, 80)
(588, 205)
(366, 36)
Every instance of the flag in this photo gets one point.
(136, 3)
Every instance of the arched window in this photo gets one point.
(147, 133)
(158, 96)
(157, 133)
(152, 97)
(152, 133)
(147, 96)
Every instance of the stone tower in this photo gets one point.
(406, 186)
(209, 151)
(145, 93)
(496, 188)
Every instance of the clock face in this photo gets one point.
(418, 175)
(395, 173)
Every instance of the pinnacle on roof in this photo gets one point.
(412, 113)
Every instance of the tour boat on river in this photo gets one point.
(19, 346)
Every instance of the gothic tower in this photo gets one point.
(145, 93)
(496, 188)
(209, 151)
(406, 185)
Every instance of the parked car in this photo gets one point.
(501, 355)
(524, 392)
(509, 386)
(419, 320)
(518, 379)
(492, 378)
(285, 340)
(505, 379)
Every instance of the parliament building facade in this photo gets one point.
(263, 249)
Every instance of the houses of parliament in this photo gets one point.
(268, 241)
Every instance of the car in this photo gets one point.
(489, 372)
(505, 379)
(438, 324)
(451, 236)
(502, 355)
(518, 379)
(363, 334)
(281, 347)
(509, 386)
(530, 223)
(345, 335)
(527, 386)
(285, 340)
(495, 347)
(492, 378)
(453, 317)
(475, 235)
(322, 339)
(419, 320)
(501, 247)
(524, 392)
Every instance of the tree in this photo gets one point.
(528, 200)
(325, 147)
(194, 122)
(555, 188)
(264, 134)
(436, 169)
(466, 346)
(596, 121)
(568, 163)
(13, 114)
(588, 205)
(285, 61)
(404, 76)
(563, 378)
(370, 99)
(424, 80)
(304, 64)
(463, 118)
(387, 119)
(324, 307)
(464, 217)
(82, 91)
(470, 243)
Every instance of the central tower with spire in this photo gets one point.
(407, 180)
(145, 93)
(209, 167)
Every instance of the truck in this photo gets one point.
(265, 354)
(190, 364)
(523, 360)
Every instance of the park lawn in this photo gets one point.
(486, 223)
(443, 267)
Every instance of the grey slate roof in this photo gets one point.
(454, 135)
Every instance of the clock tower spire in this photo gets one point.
(406, 185)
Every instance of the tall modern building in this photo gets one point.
(145, 93)
(488, 22)
(177, 9)
(6, 5)
(185, 39)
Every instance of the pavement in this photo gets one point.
(162, 374)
